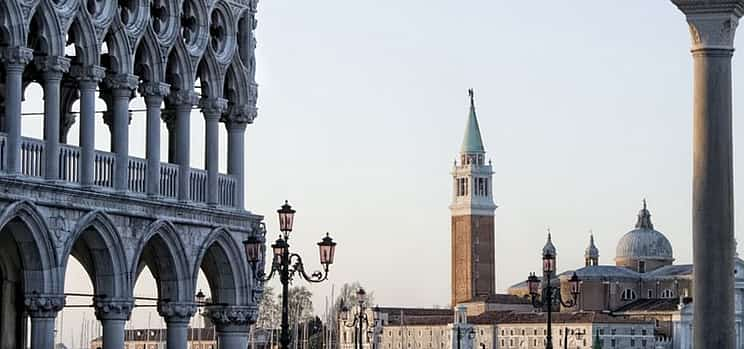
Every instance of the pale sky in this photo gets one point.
(584, 108)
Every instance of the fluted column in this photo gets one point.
(712, 25)
(15, 60)
(88, 78)
(232, 324)
(212, 109)
(235, 122)
(182, 102)
(177, 316)
(52, 69)
(43, 311)
(154, 94)
(113, 315)
(121, 87)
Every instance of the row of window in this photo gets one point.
(630, 295)
(480, 186)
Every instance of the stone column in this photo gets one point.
(121, 86)
(169, 118)
(113, 315)
(177, 316)
(52, 69)
(15, 59)
(43, 311)
(88, 78)
(154, 93)
(182, 102)
(212, 109)
(232, 324)
(236, 122)
(712, 26)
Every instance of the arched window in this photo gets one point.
(628, 295)
(667, 293)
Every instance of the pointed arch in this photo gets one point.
(179, 73)
(83, 32)
(148, 64)
(46, 35)
(162, 251)
(211, 75)
(13, 30)
(223, 262)
(97, 245)
(25, 226)
(119, 59)
(237, 85)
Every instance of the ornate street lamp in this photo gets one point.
(470, 333)
(551, 295)
(360, 318)
(283, 264)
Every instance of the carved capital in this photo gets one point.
(17, 55)
(240, 115)
(154, 89)
(121, 81)
(52, 66)
(114, 309)
(232, 317)
(213, 107)
(88, 73)
(176, 311)
(712, 24)
(44, 305)
(183, 98)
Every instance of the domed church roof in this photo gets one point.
(644, 242)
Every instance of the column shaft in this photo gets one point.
(235, 160)
(51, 125)
(211, 155)
(232, 340)
(42, 333)
(177, 335)
(712, 200)
(121, 138)
(153, 144)
(13, 96)
(87, 131)
(183, 153)
(113, 333)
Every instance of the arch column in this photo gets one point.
(121, 87)
(52, 68)
(88, 78)
(113, 315)
(182, 102)
(154, 93)
(177, 316)
(236, 122)
(232, 324)
(15, 59)
(212, 109)
(712, 25)
(43, 311)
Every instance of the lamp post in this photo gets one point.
(551, 295)
(360, 318)
(470, 333)
(288, 264)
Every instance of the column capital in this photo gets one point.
(116, 82)
(213, 107)
(712, 24)
(238, 116)
(44, 305)
(183, 98)
(16, 55)
(88, 73)
(232, 318)
(114, 309)
(53, 67)
(176, 311)
(154, 89)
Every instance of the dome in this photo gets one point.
(644, 242)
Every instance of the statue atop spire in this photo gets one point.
(591, 254)
(644, 218)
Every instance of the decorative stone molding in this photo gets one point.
(154, 89)
(17, 55)
(212, 107)
(114, 309)
(121, 81)
(88, 73)
(183, 97)
(240, 115)
(712, 25)
(52, 66)
(228, 316)
(44, 305)
(176, 311)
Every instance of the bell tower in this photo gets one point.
(472, 211)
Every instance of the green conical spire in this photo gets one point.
(472, 143)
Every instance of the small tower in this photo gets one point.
(591, 254)
(472, 211)
(549, 250)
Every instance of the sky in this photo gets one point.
(584, 108)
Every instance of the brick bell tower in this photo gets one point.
(472, 209)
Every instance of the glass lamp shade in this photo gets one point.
(574, 281)
(200, 297)
(533, 283)
(327, 249)
(286, 217)
(361, 296)
(279, 247)
(548, 263)
(252, 249)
